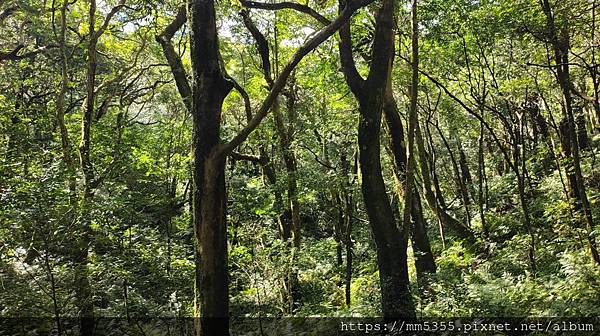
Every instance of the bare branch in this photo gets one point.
(281, 80)
(14, 55)
(287, 5)
(261, 44)
(173, 58)
(109, 17)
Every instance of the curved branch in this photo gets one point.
(353, 78)
(175, 63)
(281, 80)
(14, 55)
(476, 115)
(287, 5)
(261, 44)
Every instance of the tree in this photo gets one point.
(390, 239)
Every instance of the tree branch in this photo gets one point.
(475, 114)
(261, 44)
(175, 63)
(14, 55)
(245, 157)
(287, 5)
(353, 78)
(107, 19)
(279, 83)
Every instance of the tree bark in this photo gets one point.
(210, 86)
(559, 39)
(391, 241)
(209, 89)
(424, 261)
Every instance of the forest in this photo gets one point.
(242, 167)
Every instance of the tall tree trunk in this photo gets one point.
(594, 73)
(424, 261)
(348, 200)
(289, 158)
(413, 120)
(481, 177)
(462, 230)
(391, 241)
(285, 134)
(559, 38)
(209, 89)
(83, 292)
(292, 207)
(60, 107)
(412, 207)
(464, 179)
(283, 219)
(432, 161)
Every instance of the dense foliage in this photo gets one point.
(97, 198)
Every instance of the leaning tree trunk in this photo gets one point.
(424, 261)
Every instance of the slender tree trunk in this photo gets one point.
(283, 218)
(559, 38)
(338, 227)
(464, 180)
(412, 204)
(424, 260)
(432, 160)
(432, 198)
(293, 207)
(348, 200)
(413, 120)
(481, 172)
(291, 166)
(60, 107)
(594, 73)
(83, 292)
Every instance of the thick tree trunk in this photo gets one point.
(209, 89)
(390, 240)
